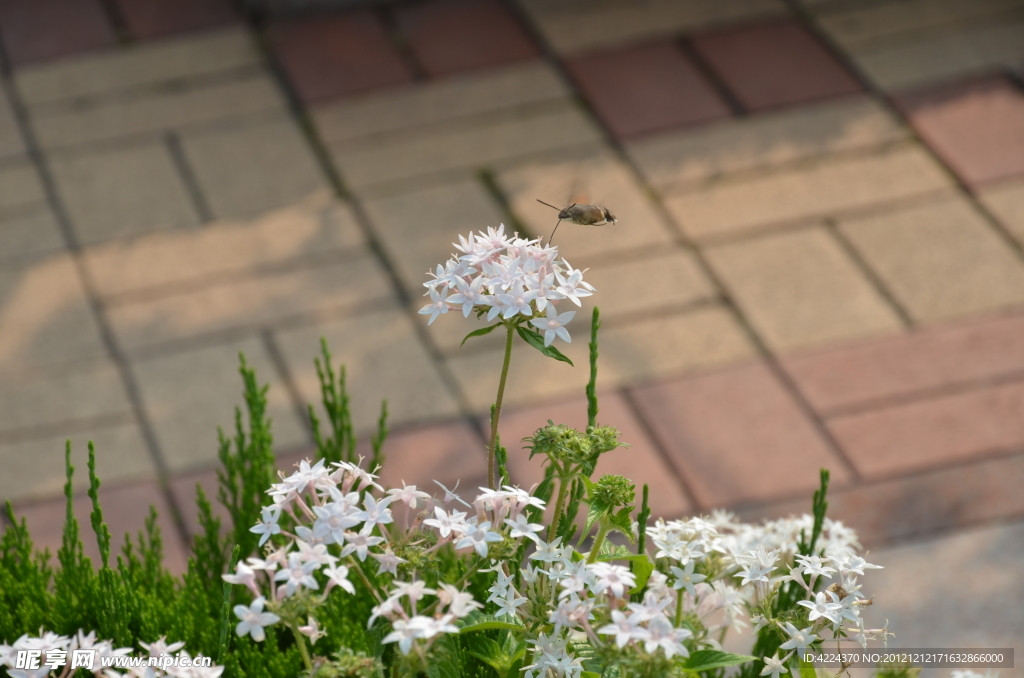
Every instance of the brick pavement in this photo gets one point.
(819, 259)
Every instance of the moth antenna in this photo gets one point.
(558, 209)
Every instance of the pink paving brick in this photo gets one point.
(774, 64)
(939, 357)
(36, 30)
(646, 88)
(933, 432)
(976, 126)
(153, 18)
(737, 436)
(448, 452)
(640, 462)
(452, 36)
(125, 509)
(892, 510)
(332, 55)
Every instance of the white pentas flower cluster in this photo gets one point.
(752, 560)
(58, 652)
(343, 522)
(507, 276)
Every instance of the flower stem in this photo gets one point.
(559, 504)
(679, 609)
(492, 481)
(602, 532)
(301, 642)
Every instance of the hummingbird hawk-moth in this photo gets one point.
(584, 215)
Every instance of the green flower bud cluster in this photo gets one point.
(612, 491)
(563, 444)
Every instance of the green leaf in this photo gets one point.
(484, 622)
(704, 660)
(480, 332)
(534, 339)
(489, 652)
(807, 668)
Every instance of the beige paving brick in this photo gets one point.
(19, 184)
(821, 188)
(154, 113)
(417, 228)
(249, 169)
(29, 232)
(799, 289)
(188, 395)
(34, 468)
(860, 26)
(145, 63)
(630, 352)
(45, 318)
(320, 226)
(81, 392)
(460, 96)
(11, 142)
(122, 192)
(594, 177)
(463, 147)
(764, 140)
(383, 358)
(941, 260)
(919, 60)
(250, 302)
(578, 25)
(1006, 201)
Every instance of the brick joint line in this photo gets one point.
(107, 335)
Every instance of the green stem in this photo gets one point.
(559, 504)
(491, 480)
(602, 532)
(301, 642)
(679, 608)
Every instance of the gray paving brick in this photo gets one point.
(122, 192)
(318, 227)
(249, 169)
(146, 63)
(764, 140)
(432, 102)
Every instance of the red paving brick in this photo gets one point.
(152, 18)
(737, 436)
(931, 359)
(640, 462)
(125, 509)
(774, 64)
(446, 452)
(331, 55)
(452, 36)
(976, 126)
(646, 88)
(892, 510)
(933, 432)
(36, 30)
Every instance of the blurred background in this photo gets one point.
(819, 258)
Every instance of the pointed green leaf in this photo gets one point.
(534, 339)
(704, 660)
(480, 332)
(807, 670)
